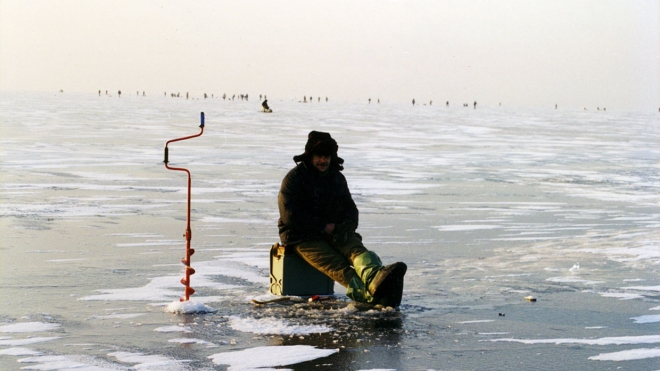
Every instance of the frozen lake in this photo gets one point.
(486, 207)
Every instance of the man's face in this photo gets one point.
(321, 162)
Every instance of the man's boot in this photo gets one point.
(384, 283)
(357, 291)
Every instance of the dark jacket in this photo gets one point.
(308, 200)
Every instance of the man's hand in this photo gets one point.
(329, 228)
(343, 232)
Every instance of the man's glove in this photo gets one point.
(343, 232)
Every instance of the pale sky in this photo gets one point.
(576, 53)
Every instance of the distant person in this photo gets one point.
(326, 99)
(447, 104)
(265, 107)
(99, 93)
(413, 101)
(430, 103)
(369, 100)
(475, 104)
(119, 93)
(555, 105)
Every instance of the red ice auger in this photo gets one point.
(186, 261)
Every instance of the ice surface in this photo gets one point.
(272, 325)
(485, 206)
(628, 355)
(646, 339)
(189, 306)
(173, 329)
(271, 356)
(29, 327)
(647, 319)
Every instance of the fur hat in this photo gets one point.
(320, 143)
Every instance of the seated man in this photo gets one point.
(318, 219)
(265, 105)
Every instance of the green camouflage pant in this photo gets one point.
(334, 261)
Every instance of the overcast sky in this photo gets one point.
(522, 53)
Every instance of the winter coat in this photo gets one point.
(308, 200)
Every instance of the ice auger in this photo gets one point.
(188, 235)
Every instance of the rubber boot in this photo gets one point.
(357, 291)
(384, 283)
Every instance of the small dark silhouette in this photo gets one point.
(119, 93)
(447, 104)
(265, 107)
(475, 104)
(413, 101)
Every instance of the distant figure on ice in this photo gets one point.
(413, 101)
(475, 104)
(430, 103)
(264, 106)
(447, 104)
(119, 93)
(318, 219)
(369, 100)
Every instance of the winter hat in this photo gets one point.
(320, 143)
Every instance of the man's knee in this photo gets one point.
(352, 248)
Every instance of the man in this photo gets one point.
(264, 105)
(318, 219)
